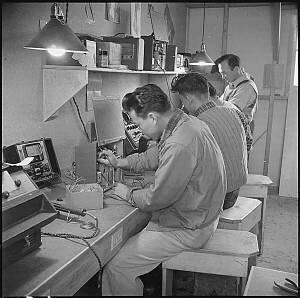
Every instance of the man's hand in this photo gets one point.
(121, 190)
(108, 158)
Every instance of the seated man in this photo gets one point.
(185, 199)
(213, 96)
(224, 124)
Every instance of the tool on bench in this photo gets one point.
(80, 212)
(289, 286)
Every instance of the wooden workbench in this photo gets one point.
(60, 267)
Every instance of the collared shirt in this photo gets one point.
(190, 179)
(229, 133)
(244, 96)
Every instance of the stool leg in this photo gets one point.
(260, 235)
(167, 282)
(243, 280)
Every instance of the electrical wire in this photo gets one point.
(67, 9)
(203, 25)
(149, 9)
(116, 197)
(166, 81)
(120, 33)
(81, 118)
(84, 239)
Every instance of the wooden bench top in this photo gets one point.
(227, 242)
(240, 210)
(258, 179)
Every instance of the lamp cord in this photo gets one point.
(83, 238)
(203, 25)
(67, 9)
(166, 81)
(81, 118)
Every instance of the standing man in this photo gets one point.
(241, 89)
(225, 125)
(185, 199)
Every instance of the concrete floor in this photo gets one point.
(281, 235)
(280, 251)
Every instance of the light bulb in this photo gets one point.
(56, 52)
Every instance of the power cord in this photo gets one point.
(78, 112)
(166, 81)
(67, 9)
(149, 11)
(116, 197)
(83, 238)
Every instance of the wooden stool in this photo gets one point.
(228, 252)
(257, 187)
(245, 215)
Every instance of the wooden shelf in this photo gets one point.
(104, 69)
(64, 67)
(101, 69)
(60, 83)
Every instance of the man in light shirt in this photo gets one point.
(185, 199)
(241, 89)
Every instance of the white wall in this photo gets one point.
(249, 37)
(22, 93)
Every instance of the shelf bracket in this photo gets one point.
(60, 85)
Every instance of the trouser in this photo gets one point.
(145, 251)
(230, 199)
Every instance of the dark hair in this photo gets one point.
(232, 60)
(189, 83)
(212, 90)
(145, 99)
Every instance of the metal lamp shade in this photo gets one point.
(201, 58)
(57, 35)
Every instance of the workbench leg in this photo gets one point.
(167, 282)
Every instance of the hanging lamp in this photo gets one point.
(56, 37)
(200, 57)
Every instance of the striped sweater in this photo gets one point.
(229, 133)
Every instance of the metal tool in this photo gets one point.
(80, 212)
(290, 286)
